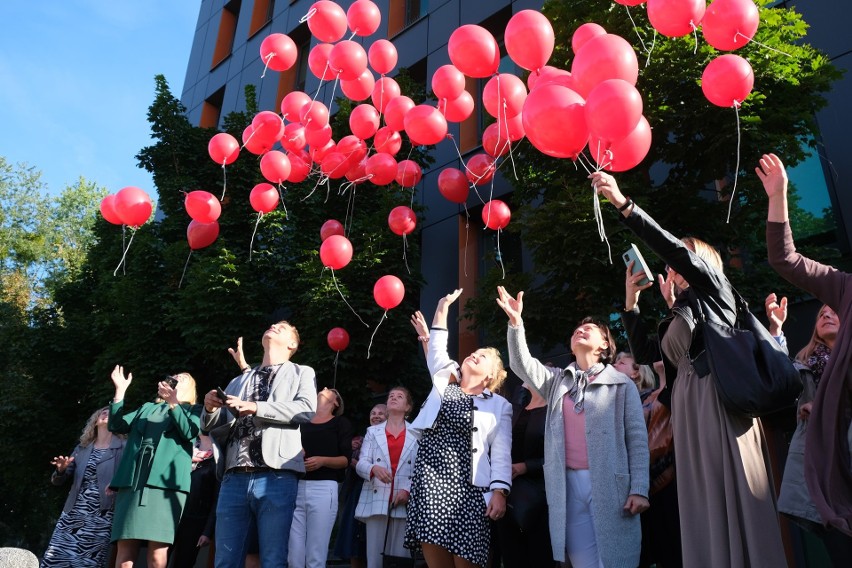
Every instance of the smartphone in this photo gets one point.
(221, 394)
(633, 254)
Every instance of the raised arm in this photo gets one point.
(436, 356)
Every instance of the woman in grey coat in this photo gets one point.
(596, 445)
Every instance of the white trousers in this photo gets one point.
(316, 510)
(580, 541)
(376, 539)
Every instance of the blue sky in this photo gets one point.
(76, 80)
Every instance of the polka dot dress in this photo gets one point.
(445, 509)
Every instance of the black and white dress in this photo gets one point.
(445, 509)
(81, 537)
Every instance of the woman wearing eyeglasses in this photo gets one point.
(153, 478)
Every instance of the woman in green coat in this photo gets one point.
(153, 478)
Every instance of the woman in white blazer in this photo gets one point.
(463, 470)
(387, 464)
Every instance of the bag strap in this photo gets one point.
(390, 507)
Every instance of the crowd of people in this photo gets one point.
(620, 459)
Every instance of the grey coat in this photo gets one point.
(76, 469)
(617, 444)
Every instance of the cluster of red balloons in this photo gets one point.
(130, 206)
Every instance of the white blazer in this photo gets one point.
(375, 494)
(492, 419)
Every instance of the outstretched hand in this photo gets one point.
(776, 312)
(667, 288)
(450, 298)
(418, 322)
(606, 185)
(513, 307)
(238, 355)
(440, 318)
(772, 174)
(62, 463)
(120, 381)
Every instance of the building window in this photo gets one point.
(403, 13)
(227, 30)
(261, 15)
(414, 10)
(211, 110)
(295, 78)
(811, 209)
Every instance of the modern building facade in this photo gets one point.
(225, 58)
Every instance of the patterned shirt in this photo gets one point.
(245, 442)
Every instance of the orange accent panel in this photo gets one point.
(225, 39)
(396, 17)
(259, 16)
(286, 82)
(468, 340)
(469, 127)
(209, 115)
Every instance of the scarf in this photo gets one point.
(817, 361)
(577, 392)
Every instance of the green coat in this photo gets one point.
(172, 462)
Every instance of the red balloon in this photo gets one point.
(388, 291)
(108, 210)
(254, 144)
(264, 198)
(335, 252)
(387, 140)
(504, 95)
(348, 59)
(294, 137)
(314, 115)
(381, 168)
(586, 32)
(474, 51)
(300, 167)
(200, 235)
(363, 17)
(555, 77)
(458, 109)
(338, 338)
(496, 214)
(384, 90)
(453, 185)
(396, 110)
(730, 24)
(292, 103)
(278, 52)
(335, 165)
(727, 80)
(327, 21)
(318, 61)
(382, 56)
(513, 127)
(364, 121)
(613, 109)
(493, 143)
(402, 220)
(604, 57)
(268, 127)
(529, 39)
(361, 88)
(318, 137)
(624, 154)
(480, 169)
(554, 121)
(533, 77)
(223, 148)
(630, 2)
(408, 173)
(202, 206)
(357, 173)
(447, 82)
(275, 166)
(353, 148)
(317, 153)
(331, 227)
(425, 125)
(133, 206)
(676, 18)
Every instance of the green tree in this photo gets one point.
(694, 145)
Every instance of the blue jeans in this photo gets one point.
(265, 500)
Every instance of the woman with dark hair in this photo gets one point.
(327, 444)
(386, 464)
(725, 494)
(81, 536)
(463, 471)
(153, 478)
(597, 472)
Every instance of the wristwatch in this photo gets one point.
(503, 492)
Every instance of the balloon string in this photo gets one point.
(466, 235)
(336, 355)
(350, 213)
(123, 247)
(599, 222)
(636, 30)
(320, 181)
(184, 269)
(763, 45)
(281, 199)
(695, 35)
(334, 279)
(737, 169)
(653, 43)
(307, 16)
(124, 254)
(253, 132)
(500, 254)
(251, 242)
(384, 316)
(224, 181)
(404, 251)
(458, 153)
(266, 61)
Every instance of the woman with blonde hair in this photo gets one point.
(463, 471)
(153, 478)
(725, 495)
(81, 536)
